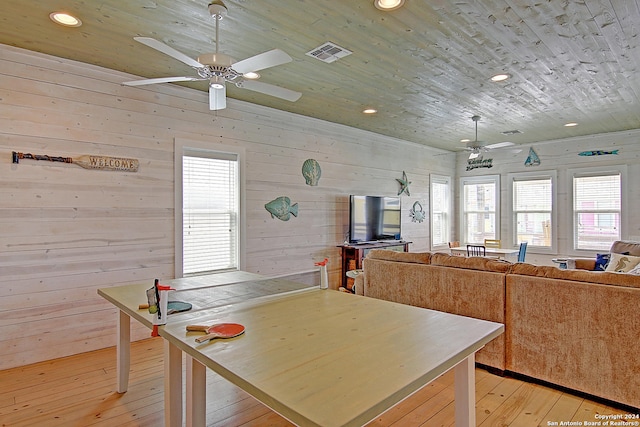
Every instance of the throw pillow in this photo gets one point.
(622, 263)
(601, 262)
(635, 270)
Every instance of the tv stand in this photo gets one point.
(353, 253)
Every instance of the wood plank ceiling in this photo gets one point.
(425, 67)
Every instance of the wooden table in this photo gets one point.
(203, 292)
(499, 252)
(326, 358)
(318, 357)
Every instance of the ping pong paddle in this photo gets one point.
(220, 330)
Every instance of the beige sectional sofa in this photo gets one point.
(574, 328)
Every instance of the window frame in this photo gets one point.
(513, 227)
(571, 220)
(495, 179)
(184, 147)
(447, 180)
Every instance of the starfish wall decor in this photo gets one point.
(404, 184)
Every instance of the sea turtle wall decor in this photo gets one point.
(311, 172)
(416, 213)
(282, 208)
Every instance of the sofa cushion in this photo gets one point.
(388, 255)
(470, 263)
(622, 247)
(622, 262)
(635, 270)
(601, 277)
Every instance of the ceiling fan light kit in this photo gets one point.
(216, 82)
(476, 148)
(220, 68)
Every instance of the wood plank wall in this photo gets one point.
(562, 156)
(67, 231)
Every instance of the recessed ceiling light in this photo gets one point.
(500, 77)
(572, 124)
(251, 75)
(369, 111)
(388, 4)
(65, 19)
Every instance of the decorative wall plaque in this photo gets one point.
(86, 161)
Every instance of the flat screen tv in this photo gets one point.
(374, 218)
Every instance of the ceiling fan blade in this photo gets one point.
(167, 50)
(269, 89)
(217, 97)
(499, 145)
(261, 61)
(161, 80)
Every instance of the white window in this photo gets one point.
(207, 211)
(440, 211)
(480, 208)
(533, 216)
(597, 209)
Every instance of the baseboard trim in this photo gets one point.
(522, 377)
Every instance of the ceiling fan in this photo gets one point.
(476, 147)
(219, 68)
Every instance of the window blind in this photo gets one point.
(479, 206)
(440, 211)
(597, 211)
(209, 213)
(532, 209)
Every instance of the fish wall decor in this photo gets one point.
(311, 172)
(597, 153)
(282, 208)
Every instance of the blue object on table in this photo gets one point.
(523, 251)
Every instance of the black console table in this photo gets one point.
(355, 252)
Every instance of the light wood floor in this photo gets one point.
(79, 391)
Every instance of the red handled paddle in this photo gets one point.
(220, 330)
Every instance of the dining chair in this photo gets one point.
(522, 252)
(476, 250)
(492, 243)
(455, 244)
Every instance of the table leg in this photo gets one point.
(196, 406)
(123, 350)
(172, 385)
(465, 392)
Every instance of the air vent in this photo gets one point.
(329, 52)
(511, 132)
